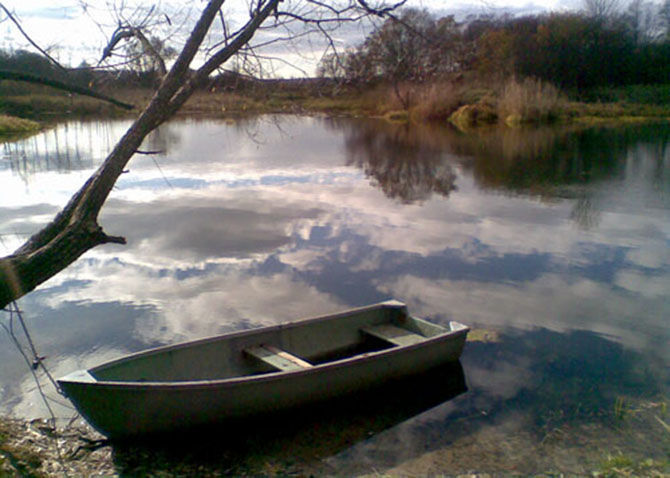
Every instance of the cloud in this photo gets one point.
(552, 301)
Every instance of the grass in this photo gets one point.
(530, 101)
(11, 125)
(631, 94)
(48, 106)
(621, 465)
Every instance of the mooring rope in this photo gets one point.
(34, 363)
(31, 357)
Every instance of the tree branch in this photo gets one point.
(27, 37)
(75, 229)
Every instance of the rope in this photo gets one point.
(31, 357)
(34, 363)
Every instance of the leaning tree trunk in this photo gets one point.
(75, 229)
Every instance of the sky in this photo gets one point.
(72, 33)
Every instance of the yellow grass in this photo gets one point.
(13, 125)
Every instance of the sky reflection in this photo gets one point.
(258, 222)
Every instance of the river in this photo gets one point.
(553, 244)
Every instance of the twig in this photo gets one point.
(18, 25)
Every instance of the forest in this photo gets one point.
(572, 50)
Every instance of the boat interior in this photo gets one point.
(282, 348)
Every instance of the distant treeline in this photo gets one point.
(23, 61)
(575, 51)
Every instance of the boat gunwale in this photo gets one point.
(241, 333)
(461, 329)
(268, 376)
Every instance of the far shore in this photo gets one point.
(442, 102)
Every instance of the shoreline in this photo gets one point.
(466, 110)
(485, 448)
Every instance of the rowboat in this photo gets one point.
(260, 371)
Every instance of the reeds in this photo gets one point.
(530, 101)
(436, 101)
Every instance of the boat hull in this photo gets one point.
(127, 408)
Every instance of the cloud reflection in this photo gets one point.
(265, 222)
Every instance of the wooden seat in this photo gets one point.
(393, 334)
(277, 358)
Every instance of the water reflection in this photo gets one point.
(298, 440)
(534, 160)
(399, 158)
(67, 147)
(556, 239)
(540, 387)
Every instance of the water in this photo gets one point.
(553, 244)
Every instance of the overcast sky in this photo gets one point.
(72, 34)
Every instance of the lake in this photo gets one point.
(553, 244)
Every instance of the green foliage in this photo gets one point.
(621, 465)
(639, 94)
(13, 125)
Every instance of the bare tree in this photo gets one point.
(75, 229)
(643, 21)
(664, 18)
(139, 39)
(602, 10)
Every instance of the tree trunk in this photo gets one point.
(75, 229)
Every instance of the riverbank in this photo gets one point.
(464, 105)
(12, 125)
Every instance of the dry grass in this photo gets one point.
(530, 101)
(437, 101)
(475, 103)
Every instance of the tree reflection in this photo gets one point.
(401, 159)
(566, 163)
(70, 146)
(542, 160)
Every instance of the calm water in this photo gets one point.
(553, 244)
